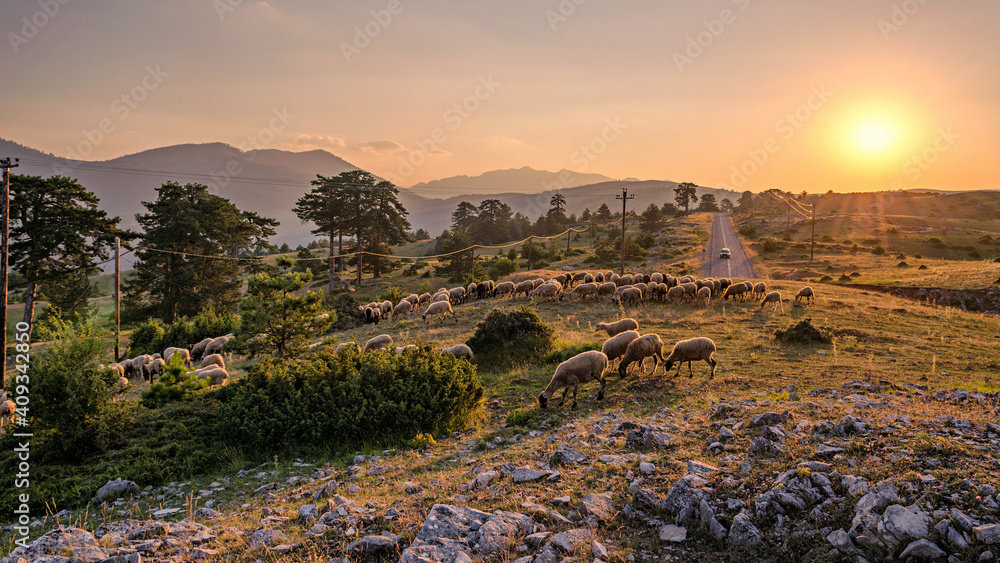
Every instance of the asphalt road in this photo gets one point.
(724, 236)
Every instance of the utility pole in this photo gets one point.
(812, 251)
(357, 204)
(531, 246)
(569, 233)
(5, 219)
(624, 197)
(788, 224)
(118, 296)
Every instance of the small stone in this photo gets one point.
(599, 550)
(700, 468)
(673, 533)
(647, 468)
(308, 513)
(924, 549)
(598, 507)
(988, 534)
(841, 541)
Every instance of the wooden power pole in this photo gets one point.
(118, 297)
(624, 197)
(5, 219)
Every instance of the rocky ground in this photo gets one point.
(862, 472)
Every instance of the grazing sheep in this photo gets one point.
(153, 368)
(734, 291)
(759, 289)
(118, 368)
(675, 294)
(671, 281)
(643, 287)
(198, 350)
(524, 287)
(385, 308)
(599, 277)
(372, 315)
(618, 327)
(614, 279)
(424, 299)
(588, 278)
(215, 375)
(157, 356)
(563, 278)
(583, 290)
(414, 299)
(457, 295)
(630, 295)
(216, 345)
(805, 293)
(581, 368)
(578, 277)
(439, 297)
(689, 351)
(7, 411)
(724, 283)
(686, 279)
(122, 382)
(615, 346)
(212, 360)
(550, 290)
(627, 279)
(378, 342)
(184, 353)
(459, 351)
(658, 278)
(606, 288)
(404, 308)
(345, 345)
(690, 289)
(658, 291)
(503, 288)
(775, 298)
(640, 349)
(704, 294)
(472, 291)
(484, 289)
(440, 308)
(138, 363)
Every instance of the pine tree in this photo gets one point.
(56, 229)
(652, 220)
(182, 230)
(685, 195)
(603, 213)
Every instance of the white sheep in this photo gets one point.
(606, 288)
(615, 346)
(734, 291)
(775, 298)
(640, 349)
(472, 291)
(704, 294)
(401, 349)
(414, 299)
(459, 351)
(691, 350)
(675, 294)
(658, 278)
(581, 368)
(184, 353)
(7, 411)
(805, 293)
(524, 287)
(153, 368)
(503, 288)
(378, 342)
(686, 279)
(138, 363)
(214, 374)
(217, 344)
(424, 299)
(441, 296)
(690, 289)
(212, 360)
(759, 289)
(549, 290)
(583, 290)
(618, 327)
(372, 315)
(442, 308)
(402, 309)
(457, 295)
(198, 350)
(629, 295)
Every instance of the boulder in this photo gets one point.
(988, 534)
(117, 488)
(922, 549)
(386, 543)
(743, 533)
(597, 507)
(673, 533)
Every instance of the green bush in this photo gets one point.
(149, 337)
(176, 384)
(510, 336)
(393, 295)
(347, 399)
(558, 356)
(145, 338)
(748, 230)
(502, 268)
(346, 308)
(768, 244)
(645, 240)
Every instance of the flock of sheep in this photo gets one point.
(208, 352)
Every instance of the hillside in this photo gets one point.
(513, 180)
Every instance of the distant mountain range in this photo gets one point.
(270, 181)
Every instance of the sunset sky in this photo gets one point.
(850, 95)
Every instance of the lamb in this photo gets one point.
(198, 350)
(216, 345)
(689, 351)
(212, 360)
(345, 345)
(704, 294)
(805, 293)
(585, 289)
(549, 290)
(440, 308)
(584, 367)
(404, 308)
(759, 289)
(504, 288)
(640, 349)
(606, 288)
(524, 287)
(775, 298)
(153, 368)
(215, 375)
(184, 353)
(615, 346)
(459, 351)
(7, 411)
(618, 327)
(378, 342)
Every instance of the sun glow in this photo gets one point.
(875, 137)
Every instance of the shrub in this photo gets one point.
(346, 308)
(521, 417)
(346, 399)
(645, 240)
(826, 279)
(176, 384)
(511, 335)
(149, 336)
(768, 244)
(393, 295)
(558, 356)
(804, 332)
(748, 230)
(145, 337)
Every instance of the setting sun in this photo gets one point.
(875, 137)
